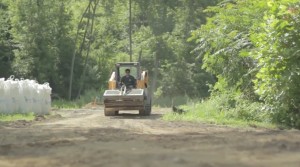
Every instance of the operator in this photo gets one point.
(128, 80)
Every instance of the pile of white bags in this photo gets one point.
(24, 96)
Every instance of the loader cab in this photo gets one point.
(134, 70)
(118, 98)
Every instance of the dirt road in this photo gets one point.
(86, 138)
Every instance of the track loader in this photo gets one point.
(120, 96)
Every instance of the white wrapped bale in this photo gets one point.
(24, 96)
(7, 96)
(22, 100)
(33, 87)
(45, 99)
(27, 95)
(2, 98)
(15, 96)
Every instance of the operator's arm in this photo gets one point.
(123, 80)
(133, 82)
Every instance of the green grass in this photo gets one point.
(169, 101)
(87, 97)
(16, 117)
(212, 112)
(216, 120)
(65, 104)
(90, 96)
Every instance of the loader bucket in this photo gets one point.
(116, 100)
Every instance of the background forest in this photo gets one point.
(244, 52)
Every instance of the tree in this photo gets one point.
(41, 28)
(6, 44)
(224, 44)
(278, 49)
(253, 49)
(170, 23)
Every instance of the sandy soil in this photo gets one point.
(78, 138)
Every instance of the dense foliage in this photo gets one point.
(56, 40)
(252, 46)
(6, 44)
(244, 50)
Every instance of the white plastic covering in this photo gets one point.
(2, 99)
(24, 96)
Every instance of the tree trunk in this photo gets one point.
(154, 80)
(82, 78)
(74, 53)
(130, 31)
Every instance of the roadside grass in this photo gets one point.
(169, 101)
(65, 104)
(16, 117)
(92, 95)
(213, 111)
(88, 97)
(216, 120)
